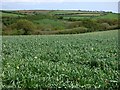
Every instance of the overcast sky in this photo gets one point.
(59, 0)
(101, 5)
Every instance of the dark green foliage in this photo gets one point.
(73, 31)
(20, 27)
(94, 64)
(60, 17)
(109, 21)
(24, 25)
(8, 20)
(91, 24)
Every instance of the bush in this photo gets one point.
(60, 17)
(73, 31)
(43, 27)
(104, 26)
(72, 19)
(91, 24)
(74, 24)
(26, 26)
(6, 31)
(109, 21)
(9, 31)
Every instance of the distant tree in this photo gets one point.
(70, 19)
(25, 25)
(91, 24)
(60, 17)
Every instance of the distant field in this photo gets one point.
(80, 15)
(76, 14)
(22, 22)
(32, 11)
(76, 17)
(109, 16)
(92, 16)
(51, 23)
(70, 11)
(72, 61)
(64, 11)
(10, 15)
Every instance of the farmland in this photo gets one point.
(63, 61)
(10, 15)
(37, 22)
(59, 49)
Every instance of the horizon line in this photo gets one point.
(61, 9)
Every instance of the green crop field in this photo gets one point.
(72, 61)
(71, 11)
(51, 24)
(11, 15)
(92, 16)
(109, 16)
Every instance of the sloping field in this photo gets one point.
(109, 16)
(71, 61)
(10, 15)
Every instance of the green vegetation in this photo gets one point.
(92, 16)
(11, 15)
(109, 16)
(84, 61)
(55, 21)
(24, 25)
(63, 61)
(49, 24)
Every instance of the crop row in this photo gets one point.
(71, 61)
